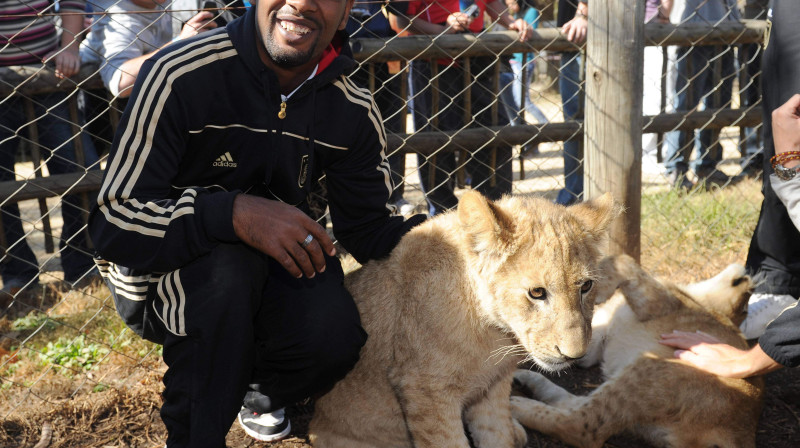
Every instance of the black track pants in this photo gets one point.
(241, 319)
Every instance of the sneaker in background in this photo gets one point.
(405, 208)
(266, 427)
(763, 309)
(712, 177)
(678, 180)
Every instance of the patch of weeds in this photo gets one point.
(74, 354)
(33, 321)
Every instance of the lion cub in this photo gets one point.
(460, 301)
(647, 391)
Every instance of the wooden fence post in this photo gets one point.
(613, 120)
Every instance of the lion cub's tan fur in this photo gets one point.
(449, 318)
(647, 391)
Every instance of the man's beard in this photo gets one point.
(283, 56)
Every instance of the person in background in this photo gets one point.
(751, 146)
(695, 85)
(132, 32)
(368, 20)
(774, 255)
(223, 139)
(516, 84)
(437, 172)
(779, 345)
(434, 18)
(573, 20)
(29, 37)
(656, 11)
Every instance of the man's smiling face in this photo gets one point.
(295, 32)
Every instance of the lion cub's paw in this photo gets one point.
(537, 386)
(520, 436)
(530, 383)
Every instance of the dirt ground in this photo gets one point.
(130, 419)
(779, 426)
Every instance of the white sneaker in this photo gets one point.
(404, 207)
(266, 427)
(761, 310)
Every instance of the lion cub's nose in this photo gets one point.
(578, 354)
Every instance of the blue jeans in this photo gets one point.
(695, 85)
(491, 178)
(441, 166)
(56, 140)
(519, 91)
(571, 89)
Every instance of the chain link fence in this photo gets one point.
(477, 110)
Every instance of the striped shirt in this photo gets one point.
(24, 37)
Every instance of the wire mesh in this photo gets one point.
(463, 110)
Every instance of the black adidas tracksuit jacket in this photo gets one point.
(203, 125)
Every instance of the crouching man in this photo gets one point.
(201, 225)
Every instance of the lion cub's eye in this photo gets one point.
(537, 293)
(586, 286)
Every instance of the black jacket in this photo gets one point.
(774, 255)
(202, 125)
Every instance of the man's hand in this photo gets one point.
(522, 27)
(786, 128)
(575, 29)
(709, 354)
(278, 230)
(458, 22)
(68, 62)
(202, 21)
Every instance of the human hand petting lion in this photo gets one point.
(711, 355)
(646, 392)
(461, 300)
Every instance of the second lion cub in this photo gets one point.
(647, 391)
(459, 302)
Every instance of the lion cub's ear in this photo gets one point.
(597, 214)
(486, 224)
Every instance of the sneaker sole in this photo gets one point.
(262, 437)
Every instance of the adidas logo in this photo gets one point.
(225, 160)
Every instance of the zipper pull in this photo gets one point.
(282, 113)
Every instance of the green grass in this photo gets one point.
(76, 354)
(693, 236)
(80, 334)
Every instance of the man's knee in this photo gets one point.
(332, 344)
(234, 265)
(337, 349)
(221, 288)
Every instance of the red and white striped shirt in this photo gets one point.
(26, 38)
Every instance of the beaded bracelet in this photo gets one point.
(783, 160)
(784, 157)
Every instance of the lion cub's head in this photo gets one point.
(534, 268)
